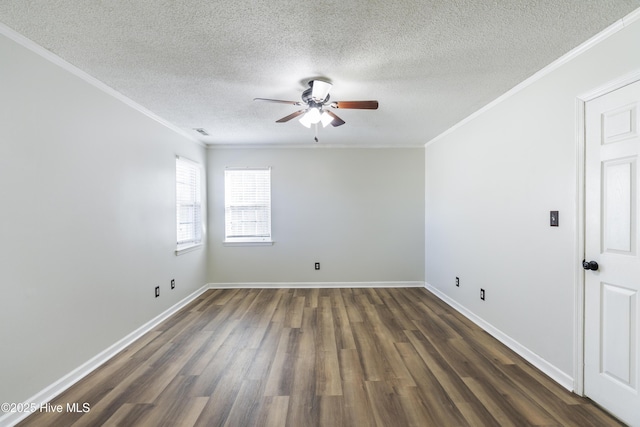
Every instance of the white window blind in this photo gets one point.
(247, 205)
(188, 203)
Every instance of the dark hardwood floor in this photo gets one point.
(319, 357)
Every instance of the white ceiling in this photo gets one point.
(199, 64)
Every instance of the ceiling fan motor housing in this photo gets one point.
(308, 99)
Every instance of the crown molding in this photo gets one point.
(55, 59)
(577, 51)
(310, 146)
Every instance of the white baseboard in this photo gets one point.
(312, 285)
(556, 374)
(53, 390)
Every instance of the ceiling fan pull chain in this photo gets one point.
(316, 137)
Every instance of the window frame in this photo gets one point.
(246, 240)
(194, 202)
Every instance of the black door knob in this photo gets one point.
(589, 265)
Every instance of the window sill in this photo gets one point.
(184, 249)
(248, 243)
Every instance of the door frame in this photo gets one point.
(579, 253)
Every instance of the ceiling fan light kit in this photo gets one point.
(312, 116)
(316, 98)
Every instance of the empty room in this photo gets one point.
(319, 214)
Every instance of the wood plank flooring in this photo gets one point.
(319, 357)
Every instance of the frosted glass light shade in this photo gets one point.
(305, 120)
(325, 118)
(314, 115)
(311, 117)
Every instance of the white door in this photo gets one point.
(612, 303)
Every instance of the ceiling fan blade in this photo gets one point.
(291, 116)
(360, 105)
(320, 90)
(337, 121)
(280, 101)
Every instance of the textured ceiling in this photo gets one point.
(199, 64)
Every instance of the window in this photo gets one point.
(247, 205)
(188, 204)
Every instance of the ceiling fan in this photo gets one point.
(316, 100)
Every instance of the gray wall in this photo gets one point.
(357, 211)
(490, 186)
(87, 186)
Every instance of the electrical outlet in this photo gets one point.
(458, 281)
(173, 283)
(482, 294)
(157, 291)
(317, 266)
